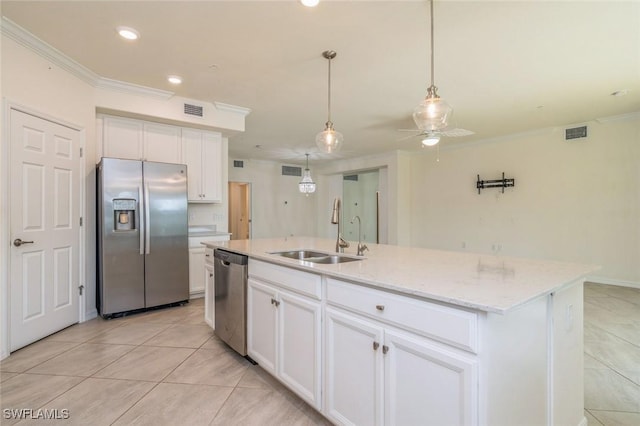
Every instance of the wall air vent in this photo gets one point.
(238, 163)
(194, 110)
(351, 177)
(575, 133)
(291, 171)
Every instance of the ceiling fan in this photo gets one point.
(432, 114)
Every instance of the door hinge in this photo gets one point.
(80, 220)
(81, 288)
(80, 152)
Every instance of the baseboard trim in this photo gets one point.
(196, 294)
(583, 422)
(612, 281)
(91, 315)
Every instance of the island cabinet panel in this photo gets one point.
(354, 369)
(428, 384)
(284, 337)
(261, 324)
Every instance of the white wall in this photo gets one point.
(573, 201)
(278, 209)
(33, 82)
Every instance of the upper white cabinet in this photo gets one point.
(202, 153)
(141, 140)
(162, 143)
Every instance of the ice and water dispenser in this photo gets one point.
(124, 214)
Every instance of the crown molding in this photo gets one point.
(50, 53)
(622, 117)
(232, 108)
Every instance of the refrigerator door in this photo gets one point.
(120, 246)
(166, 238)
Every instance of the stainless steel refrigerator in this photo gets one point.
(143, 250)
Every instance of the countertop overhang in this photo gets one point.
(478, 281)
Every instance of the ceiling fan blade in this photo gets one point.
(410, 130)
(408, 137)
(456, 133)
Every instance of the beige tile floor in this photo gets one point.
(166, 367)
(612, 355)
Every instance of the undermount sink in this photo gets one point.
(316, 256)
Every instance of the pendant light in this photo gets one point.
(307, 185)
(433, 113)
(329, 140)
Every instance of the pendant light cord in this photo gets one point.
(432, 56)
(329, 95)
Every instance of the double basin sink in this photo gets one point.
(316, 256)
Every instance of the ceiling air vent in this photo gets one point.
(238, 163)
(291, 171)
(194, 110)
(575, 133)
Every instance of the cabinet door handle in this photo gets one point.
(376, 345)
(385, 349)
(380, 307)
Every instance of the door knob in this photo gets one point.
(18, 242)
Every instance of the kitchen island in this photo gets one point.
(416, 336)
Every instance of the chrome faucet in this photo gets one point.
(361, 247)
(335, 219)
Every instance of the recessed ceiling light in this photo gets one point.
(621, 92)
(128, 33)
(310, 3)
(174, 79)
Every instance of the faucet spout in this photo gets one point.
(335, 219)
(361, 247)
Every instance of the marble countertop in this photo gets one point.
(484, 282)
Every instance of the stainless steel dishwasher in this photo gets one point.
(230, 271)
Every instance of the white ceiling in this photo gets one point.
(504, 66)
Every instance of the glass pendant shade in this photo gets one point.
(432, 113)
(329, 140)
(307, 185)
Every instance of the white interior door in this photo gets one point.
(45, 214)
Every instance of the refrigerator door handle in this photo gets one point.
(147, 232)
(139, 218)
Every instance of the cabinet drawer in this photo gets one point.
(293, 279)
(455, 327)
(208, 255)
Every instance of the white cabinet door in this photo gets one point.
(354, 367)
(209, 295)
(196, 266)
(162, 143)
(123, 138)
(212, 167)
(202, 153)
(261, 324)
(299, 349)
(426, 384)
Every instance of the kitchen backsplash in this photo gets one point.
(209, 214)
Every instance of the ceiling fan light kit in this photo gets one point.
(329, 140)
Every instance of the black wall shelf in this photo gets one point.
(496, 183)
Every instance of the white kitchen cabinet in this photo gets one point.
(162, 143)
(262, 324)
(141, 140)
(202, 153)
(354, 369)
(284, 337)
(122, 138)
(209, 294)
(415, 359)
(196, 266)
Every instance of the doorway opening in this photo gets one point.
(240, 210)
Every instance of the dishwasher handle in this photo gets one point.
(228, 257)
